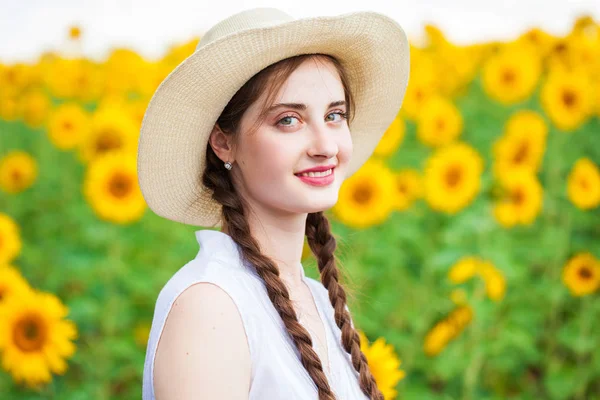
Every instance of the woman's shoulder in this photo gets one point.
(204, 319)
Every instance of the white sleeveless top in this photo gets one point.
(277, 372)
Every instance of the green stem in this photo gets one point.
(556, 186)
(585, 315)
(475, 339)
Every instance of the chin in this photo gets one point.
(322, 204)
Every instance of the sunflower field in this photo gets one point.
(469, 242)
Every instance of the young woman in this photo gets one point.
(227, 141)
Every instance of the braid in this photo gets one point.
(323, 245)
(234, 214)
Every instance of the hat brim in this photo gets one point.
(372, 47)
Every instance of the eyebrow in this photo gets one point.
(302, 106)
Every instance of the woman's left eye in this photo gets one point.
(340, 113)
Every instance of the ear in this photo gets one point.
(221, 144)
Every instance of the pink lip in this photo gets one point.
(319, 180)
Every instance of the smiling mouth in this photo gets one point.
(317, 174)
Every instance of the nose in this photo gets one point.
(324, 142)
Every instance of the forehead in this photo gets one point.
(314, 82)
(312, 79)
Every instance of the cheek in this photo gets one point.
(268, 159)
(346, 147)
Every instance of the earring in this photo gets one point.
(228, 165)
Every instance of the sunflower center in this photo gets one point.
(584, 184)
(534, 37)
(453, 175)
(569, 98)
(517, 197)
(82, 81)
(108, 140)
(402, 188)
(585, 272)
(440, 124)
(560, 48)
(29, 334)
(67, 125)
(120, 185)
(363, 193)
(522, 153)
(16, 175)
(509, 76)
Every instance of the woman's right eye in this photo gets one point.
(287, 117)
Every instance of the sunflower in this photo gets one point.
(521, 199)
(578, 50)
(150, 76)
(137, 110)
(367, 197)
(12, 283)
(438, 338)
(384, 365)
(408, 188)
(35, 338)
(511, 75)
(540, 40)
(460, 317)
(522, 145)
(567, 99)
(111, 188)
(583, 184)
(452, 177)
(447, 329)
(14, 78)
(586, 54)
(495, 283)
(74, 78)
(392, 138)
(111, 129)
(597, 98)
(10, 107)
(471, 266)
(439, 122)
(581, 274)
(75, 32)
(18, 171)
(35, 106)
(422, 84)
(122, 68)
(10, 239)
(458, 65)
(68, 126)
(464, 269)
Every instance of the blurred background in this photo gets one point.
(470, 240)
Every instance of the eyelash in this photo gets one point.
(342, 114)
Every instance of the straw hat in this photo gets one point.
(180, 116)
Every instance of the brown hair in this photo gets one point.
(320, 238)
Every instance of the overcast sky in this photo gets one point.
(28, 27)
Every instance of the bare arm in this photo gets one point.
(203, 350)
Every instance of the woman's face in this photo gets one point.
(292, 139)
